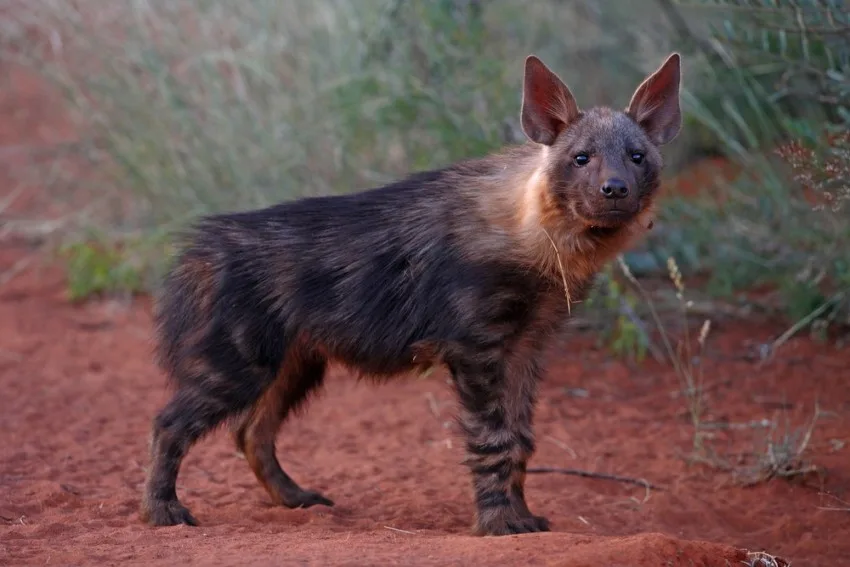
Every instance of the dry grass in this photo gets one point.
(686, 361)
(783, 456)
(780, 455)
(194, 106)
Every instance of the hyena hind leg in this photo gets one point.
(255, 433)
(198, 407)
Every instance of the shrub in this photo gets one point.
(782, 81)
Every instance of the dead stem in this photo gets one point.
(16, 269)
(392, 529)
(670, 352)
(783, 460)
(814, 314)
(589, 474)
(844, 505)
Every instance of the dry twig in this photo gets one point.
(588, 474)
(399, 531)
(784, 459)
(17, 268)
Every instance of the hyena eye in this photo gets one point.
(637, 157)
(581, 159)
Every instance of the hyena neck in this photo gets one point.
(518, 197)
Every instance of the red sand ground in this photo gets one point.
(78, 389)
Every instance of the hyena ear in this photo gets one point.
(548, 106)
(655, 104)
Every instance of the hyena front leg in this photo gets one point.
(498, 398)
(523, 375)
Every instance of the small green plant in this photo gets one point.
(95, 269)
(628, 340)
(620, 326)
(779, 456)
(98, 266)
(686, 361)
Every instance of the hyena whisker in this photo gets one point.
(562, 270)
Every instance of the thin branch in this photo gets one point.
(814, 314)
(17, 268)
(30, 230)
(600, 476)
(392, 529)
(9, 200)
(674, 360)
(844, 506)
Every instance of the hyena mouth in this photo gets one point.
(617, 215)
(603, 231)
(611, 219)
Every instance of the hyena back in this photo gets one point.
(464, 266)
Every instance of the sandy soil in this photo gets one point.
(78, 388)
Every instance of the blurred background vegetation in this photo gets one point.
(188, 107)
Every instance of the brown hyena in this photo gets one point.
(464, 266)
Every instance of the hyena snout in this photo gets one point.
(615, 188)
(614, 201)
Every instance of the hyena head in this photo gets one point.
(603, 166)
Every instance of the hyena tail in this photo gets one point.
(183, 314)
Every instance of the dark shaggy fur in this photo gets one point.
(464, 266)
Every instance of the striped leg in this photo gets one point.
(498, 399)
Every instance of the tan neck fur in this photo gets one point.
(519, 198)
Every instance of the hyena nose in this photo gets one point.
(615, 188)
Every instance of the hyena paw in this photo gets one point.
(306, 499)
(509, 523)
(542, 523)
(167, 513)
